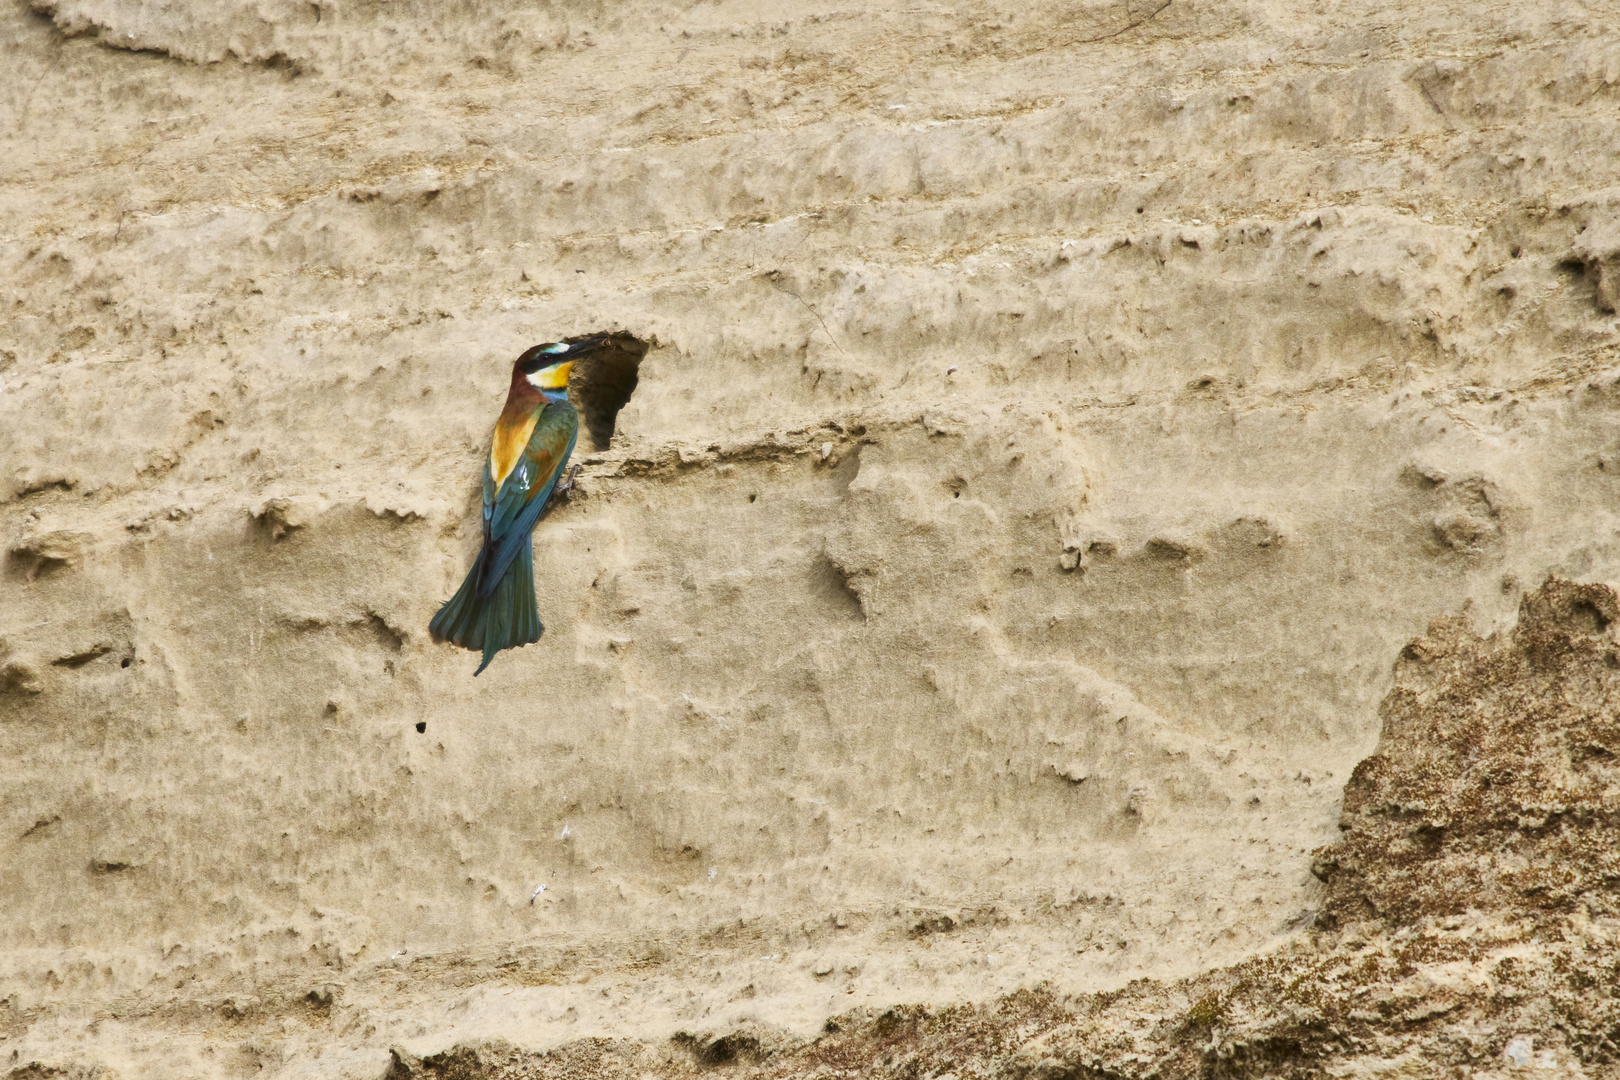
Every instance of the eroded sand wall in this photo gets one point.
(1056, 421)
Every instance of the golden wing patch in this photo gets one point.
(507, 447)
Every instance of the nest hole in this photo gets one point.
(602, 383)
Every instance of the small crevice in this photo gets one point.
(732, 1049)
(41, 825)
(388, 637)
(42, 487)
(1586, 617)
(79, 659)
(838, 588)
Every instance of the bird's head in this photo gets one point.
(546, 367)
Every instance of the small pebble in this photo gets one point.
(1518, 1052)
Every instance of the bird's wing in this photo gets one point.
(511, 511)
(490, 491)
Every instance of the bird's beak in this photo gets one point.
(585, 345)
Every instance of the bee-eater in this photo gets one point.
(494, 609)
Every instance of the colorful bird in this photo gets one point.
(494, 609)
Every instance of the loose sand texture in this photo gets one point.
(1038, 432)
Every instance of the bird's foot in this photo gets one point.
(566, 484)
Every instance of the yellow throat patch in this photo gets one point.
(552, 378)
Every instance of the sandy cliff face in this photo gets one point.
(1055, 420)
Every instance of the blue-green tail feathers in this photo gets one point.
(505, 619)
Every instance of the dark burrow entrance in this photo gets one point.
(602, 383)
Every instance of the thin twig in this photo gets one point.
(1131, 24)
(819, 319)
